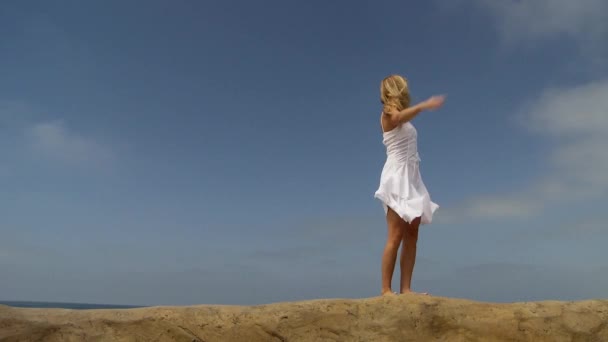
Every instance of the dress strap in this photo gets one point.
(381, 126)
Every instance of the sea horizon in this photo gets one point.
(65, 305)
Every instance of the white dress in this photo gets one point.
(401, 187)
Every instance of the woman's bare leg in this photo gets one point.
(408, 254)
(395, 236)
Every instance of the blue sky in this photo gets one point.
(226, 152)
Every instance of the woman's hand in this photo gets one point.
(434, 102)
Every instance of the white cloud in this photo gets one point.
(577, 25)
(571, 111)
(529, 20)
(499, 207)
(23, 133)
(516, 205)
(575, 120)
(54, 140)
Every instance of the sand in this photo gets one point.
(398, 318)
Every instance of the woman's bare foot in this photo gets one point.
(389, 293)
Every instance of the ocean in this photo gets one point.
(76, 306)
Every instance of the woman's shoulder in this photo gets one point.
(387, 124)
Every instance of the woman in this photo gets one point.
(405, 199)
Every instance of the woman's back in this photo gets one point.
(401, 143)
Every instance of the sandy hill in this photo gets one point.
(399, 318)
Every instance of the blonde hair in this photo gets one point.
(395, 92)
